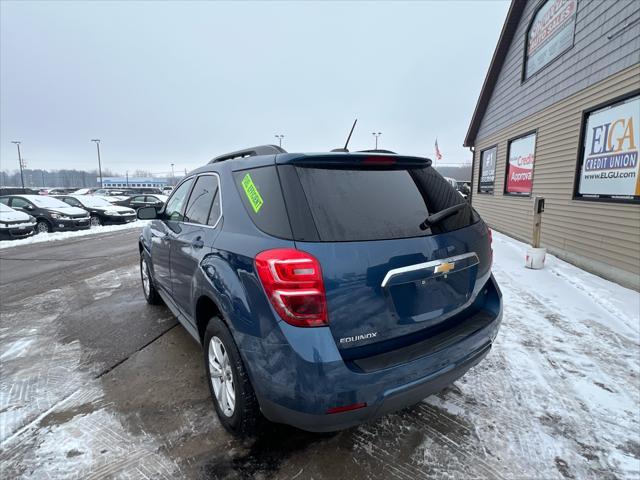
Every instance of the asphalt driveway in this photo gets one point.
(94, 383)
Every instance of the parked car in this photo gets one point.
(167, 190)
(15, 224)
(51, 214)
(17, 191)
(102, 212)
(107, 192)
(138, 201)
(142, 191)
(83, 191)
(56, 191)
(325, 289)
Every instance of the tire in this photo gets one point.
(95, 221)
(242, 418)
(150, 293)
(43, 227)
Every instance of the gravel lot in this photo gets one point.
(96, 384)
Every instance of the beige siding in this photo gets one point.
(601, 237)
(593, 58)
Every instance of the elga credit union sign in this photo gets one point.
(550, 34)
(520, 167)
(610, 158)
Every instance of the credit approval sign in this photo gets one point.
(610, 165)
(520, 168)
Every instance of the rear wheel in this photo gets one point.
(43, 226)
(233, 396)
(149, 289)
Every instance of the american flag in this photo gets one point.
(438, 154)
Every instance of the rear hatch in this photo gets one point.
(387, 273)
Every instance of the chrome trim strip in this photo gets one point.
(421, 266)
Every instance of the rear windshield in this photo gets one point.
(356, 205)
(339, 205)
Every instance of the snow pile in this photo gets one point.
(54, 236)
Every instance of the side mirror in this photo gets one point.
(29, 207)
(147, 213)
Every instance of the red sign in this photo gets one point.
(520, 167)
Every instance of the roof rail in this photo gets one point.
(250, 152)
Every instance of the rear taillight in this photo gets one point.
(293, 282)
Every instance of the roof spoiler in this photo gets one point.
(250, 152)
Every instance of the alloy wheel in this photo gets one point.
(221, 376)
(146, 283)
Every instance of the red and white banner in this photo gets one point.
(520, 168)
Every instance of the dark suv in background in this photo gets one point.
(326, 289)
(52, 215)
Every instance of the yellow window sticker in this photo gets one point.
(252, 193)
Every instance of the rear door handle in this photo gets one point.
(197, 243)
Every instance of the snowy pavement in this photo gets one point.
(56, 236)
(94, 384)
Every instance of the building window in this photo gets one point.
(519, 171)
(550, 34)
(487, 170)
(608, 162)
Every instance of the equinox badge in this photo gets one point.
(356, 338)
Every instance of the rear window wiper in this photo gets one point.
(441, 215)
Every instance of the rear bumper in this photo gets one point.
(303, 374)
(393, 400)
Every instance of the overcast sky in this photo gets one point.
(164, 82)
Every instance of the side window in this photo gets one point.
(5, 201)
(19, 203)
(260, 191)
(216, 210)
(177, 200)
(138, 199)
(201, 199)
(72, 201)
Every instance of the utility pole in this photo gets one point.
(17, 144)
(279, 137)
(97, 142)
(376, 134)
(173, 175)
(127, 178)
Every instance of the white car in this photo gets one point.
(15, 224)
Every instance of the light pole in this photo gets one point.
(97, 141)
(17, 144)
(279, 137)
(127, 178)
(173, 175)
(376, 134)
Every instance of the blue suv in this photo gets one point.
(326, 289)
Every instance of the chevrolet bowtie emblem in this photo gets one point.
(445, 267)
